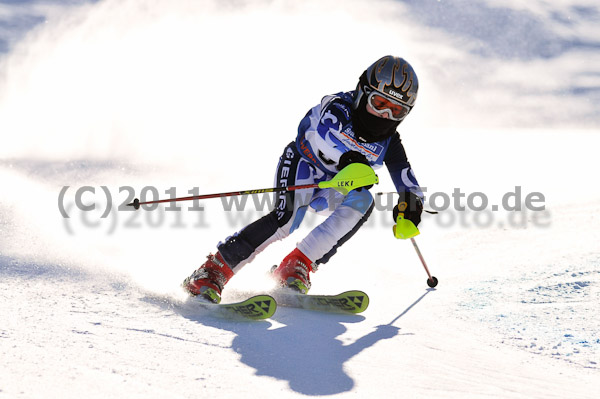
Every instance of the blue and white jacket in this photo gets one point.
(326, 132)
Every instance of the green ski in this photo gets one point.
(258, 307)
(346, 302)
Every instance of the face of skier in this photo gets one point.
(370, 110)
(384, 107)
(376, 116)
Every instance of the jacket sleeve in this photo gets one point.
(397, 163)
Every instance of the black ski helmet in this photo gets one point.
(392, 77)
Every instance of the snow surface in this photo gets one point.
(141, 93)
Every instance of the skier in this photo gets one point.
(345, 128)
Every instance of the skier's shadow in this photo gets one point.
(304, 351)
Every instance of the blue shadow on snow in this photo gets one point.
(305, 352)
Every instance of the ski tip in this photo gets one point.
(258, 307)
(359, 299)
(346, 302)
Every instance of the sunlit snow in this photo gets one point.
(163, 98)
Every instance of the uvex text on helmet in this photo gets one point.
(395, 77)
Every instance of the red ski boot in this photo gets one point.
(293, 271)
(209, 280)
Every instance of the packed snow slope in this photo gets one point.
(101, 101)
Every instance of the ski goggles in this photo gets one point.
(382, 105)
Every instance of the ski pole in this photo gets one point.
(353, 176)
(431, 281)
(136, 202)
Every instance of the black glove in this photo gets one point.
(413, 208)
(353, 157)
